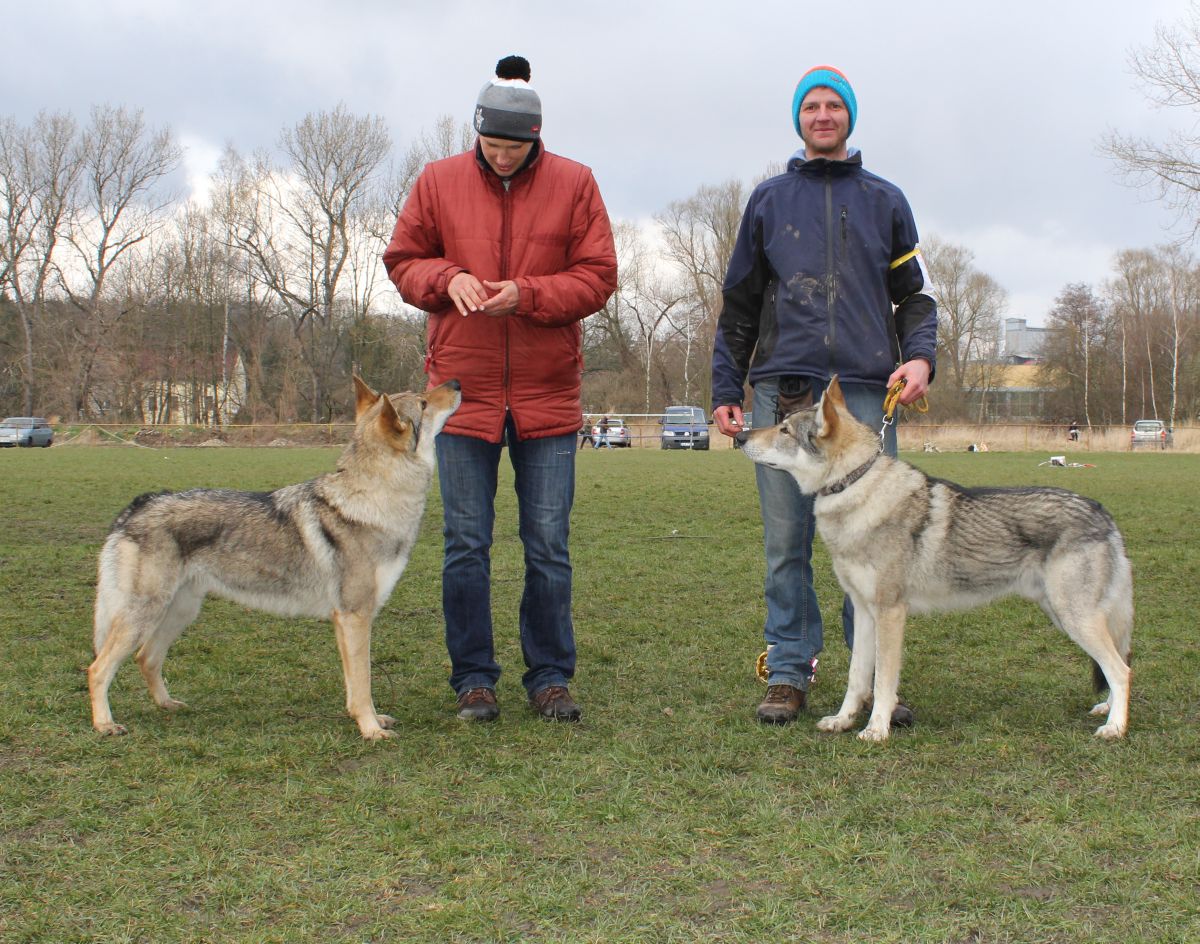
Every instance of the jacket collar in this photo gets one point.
(819, 165)
(535, 154)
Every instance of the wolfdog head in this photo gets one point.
(817, 446)
(400, 424)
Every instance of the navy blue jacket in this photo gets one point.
(824, 279)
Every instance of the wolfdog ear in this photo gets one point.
(830, 401)
(364, 397)
(392, 424)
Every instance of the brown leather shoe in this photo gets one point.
(902, 714)
(782, 704)
(555, 703)
(478, 704)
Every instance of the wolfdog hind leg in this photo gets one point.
(122, 638)
(180, 613)
(1089, 628)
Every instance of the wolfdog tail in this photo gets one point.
(106, 593)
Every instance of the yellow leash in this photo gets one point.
(890, 402)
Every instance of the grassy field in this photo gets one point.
(667, 815)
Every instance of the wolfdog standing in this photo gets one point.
(902, 541)
(332, 547)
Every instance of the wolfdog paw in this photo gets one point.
(835, 723)
(1110, 731)
(377, 734)
(172, 704)
(1100, 709)
(873, 733)
(112, 729)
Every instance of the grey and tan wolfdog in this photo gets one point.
(901, 541)
(332, 547)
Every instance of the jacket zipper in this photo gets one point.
(830, 294)
(505, 230)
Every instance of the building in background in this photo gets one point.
(1022, 343)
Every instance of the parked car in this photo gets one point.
(619, 435)
(1151, 434)
(25, 431)
(684, 427)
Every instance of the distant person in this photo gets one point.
(604, 433)
(1073, 432)
(507, 247)
(585, 436)
(825, 278)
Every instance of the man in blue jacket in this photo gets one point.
(825, 279)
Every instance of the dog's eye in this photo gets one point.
(424, 403)
(785, 430)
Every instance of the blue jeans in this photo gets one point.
(545, 487)
(793, 630)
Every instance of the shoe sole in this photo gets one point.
(555, 717)
(470, 716)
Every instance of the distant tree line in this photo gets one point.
(121, 301)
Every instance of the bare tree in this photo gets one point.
(1182, 298)
(607, 337)
(1074, 342)
(39, 169)
(447, 138)
(1169, 71)
(646, 304)
(300, 226)
(121, 204)
(970, 306)
(699, 234)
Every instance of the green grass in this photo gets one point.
(667, 815)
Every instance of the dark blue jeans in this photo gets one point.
(545, 487)
(794, 631)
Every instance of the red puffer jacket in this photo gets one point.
(549, 232)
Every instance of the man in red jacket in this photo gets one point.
(507, 247)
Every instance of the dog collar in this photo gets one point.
(843, 484)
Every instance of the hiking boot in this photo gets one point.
(902, 716)
(782, 704)
(478, 704)
(555, 703)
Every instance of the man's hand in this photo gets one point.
(916, 374)
(504, 301)
(729, 419)
(466, 292)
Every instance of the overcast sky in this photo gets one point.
(987, 116)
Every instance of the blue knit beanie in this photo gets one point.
(824, 77)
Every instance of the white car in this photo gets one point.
(1151, 434)
(25, 431)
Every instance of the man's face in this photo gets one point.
(824, 124)
(503, 156)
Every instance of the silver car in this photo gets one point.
(619, 436)
(1151, 434)
(25, 431)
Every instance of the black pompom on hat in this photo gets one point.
(507, 107)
